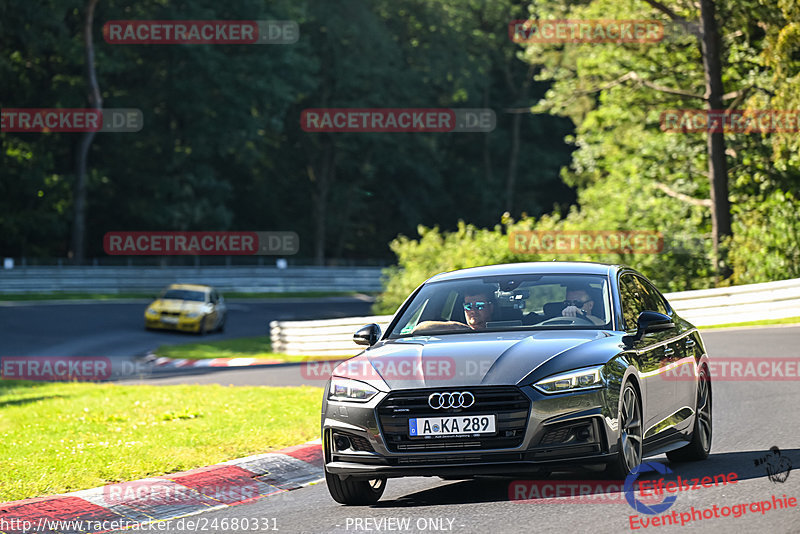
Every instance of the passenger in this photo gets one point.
(580, 304)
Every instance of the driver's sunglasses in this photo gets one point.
(576, 303)
(469, 306)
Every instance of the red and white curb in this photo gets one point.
(167, 497)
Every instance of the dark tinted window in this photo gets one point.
(653, 301)
(631, 300)
(183, 294)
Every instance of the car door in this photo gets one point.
(682, 352)
(649, 354)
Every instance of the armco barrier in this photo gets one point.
(704, 307)
(246, 279)
(329, 337)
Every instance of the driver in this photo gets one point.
(478, 309)
(580, 304)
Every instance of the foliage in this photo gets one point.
(222, 147)
(632, 175)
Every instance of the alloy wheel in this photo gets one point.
(704, 410)
(631, 429)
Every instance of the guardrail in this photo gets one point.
(704, 307)
(113, 280)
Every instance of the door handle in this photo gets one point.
(669, 352)
(690, 343)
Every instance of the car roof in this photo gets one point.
(190, 287)
(538, 267)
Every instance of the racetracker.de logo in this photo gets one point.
(55, 368)
(730, 121)
(586, 242)
(567, 491)
(397, 120)
(760, 369)
(585, 31)
(201, 243)
(384, 368)
(201, 32)
(118, 120)
(157, 492)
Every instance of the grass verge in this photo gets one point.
(765, 322)
(243, 347)
(61, 437)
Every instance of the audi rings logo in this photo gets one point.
(454, 399)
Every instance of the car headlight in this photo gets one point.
(581, 379)
(192, 315)
(346, 389)
(151, 311)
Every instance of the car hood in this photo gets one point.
(172, 305)
(498, 358)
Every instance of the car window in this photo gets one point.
(506, 303)
(653, 300)
(184, 294)
(631, 300)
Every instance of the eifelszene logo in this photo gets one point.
(638, 505)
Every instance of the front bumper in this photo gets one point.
(564, 430)
(183, 324)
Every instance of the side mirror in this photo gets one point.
(367, 335)
(649, 321)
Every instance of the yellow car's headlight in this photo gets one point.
(151, 311)
(192, 315)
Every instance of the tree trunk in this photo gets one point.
(513, 157)
(95, 102)
(488, 175)
(717, 164)
(521, 96)
(322, 176)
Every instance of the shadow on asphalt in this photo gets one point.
(496, 489)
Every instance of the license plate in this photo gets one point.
(451, 426)
(169, 320)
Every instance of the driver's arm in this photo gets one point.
(439, 325)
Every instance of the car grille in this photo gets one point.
(508, 403)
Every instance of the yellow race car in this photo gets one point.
(187, 308)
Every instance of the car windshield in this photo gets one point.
(507, 303)
(184, 294)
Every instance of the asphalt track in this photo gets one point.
(749, 418)
(116, 329)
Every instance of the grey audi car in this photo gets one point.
(505, 369)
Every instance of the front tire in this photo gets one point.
(355, 492)
(202, 330)
(700, 445)
(629, 445)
